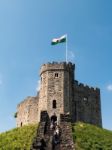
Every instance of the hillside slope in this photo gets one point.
(18, 138)
(86, 137)
(89, 137)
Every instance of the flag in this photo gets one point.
(58, 40)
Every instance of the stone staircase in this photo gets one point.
(44, 132)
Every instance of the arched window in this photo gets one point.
(54, 104)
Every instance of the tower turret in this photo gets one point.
(56, 87)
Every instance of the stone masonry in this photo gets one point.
(27, 111)
(61, 93)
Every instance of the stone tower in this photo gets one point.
(56, 88)
(60, 93)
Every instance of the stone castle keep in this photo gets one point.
(61, 93)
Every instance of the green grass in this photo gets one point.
(89, 137)
(18, 138)
(86, 137)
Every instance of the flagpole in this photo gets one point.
(66, 48)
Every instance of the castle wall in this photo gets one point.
(60, 93)
(27, 111)
(86, 104)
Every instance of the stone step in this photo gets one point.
(44, 131)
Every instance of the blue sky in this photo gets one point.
(26, 30)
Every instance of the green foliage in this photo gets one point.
(18, 138)
(90, 137)
(15, 115)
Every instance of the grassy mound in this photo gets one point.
(18, 138)
(89, 137)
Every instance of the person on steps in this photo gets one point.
(55, 141)
(54, 118)
(43, 144)
(53, 121)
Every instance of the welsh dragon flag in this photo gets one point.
(58, 40)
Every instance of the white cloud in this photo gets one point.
(38, 85)
(71, 55)
(109, 87)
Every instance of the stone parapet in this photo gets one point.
(80, 86)
(57, 66)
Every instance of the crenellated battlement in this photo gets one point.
(57, 66)
(82, 86)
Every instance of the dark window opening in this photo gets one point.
(54, 104)
(56, 74)
(21, 124)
